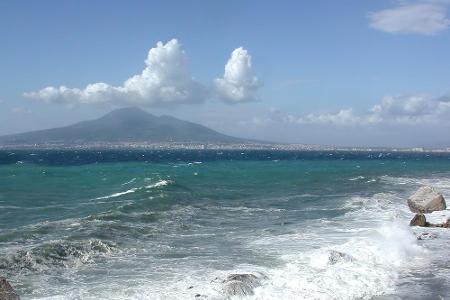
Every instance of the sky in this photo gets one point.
(348, 73)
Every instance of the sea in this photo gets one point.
(173, 224)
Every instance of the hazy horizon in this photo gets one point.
(365, 74)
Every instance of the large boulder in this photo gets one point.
(6, 291)
(426, 200)
(241, 284)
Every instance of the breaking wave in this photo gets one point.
(157, 184)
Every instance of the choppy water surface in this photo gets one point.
(172, 224)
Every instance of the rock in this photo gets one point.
(241, 284)
(419, 220)
(426, 200)
(447, 223)
(6, 291)
(426, 236)
(335, 257)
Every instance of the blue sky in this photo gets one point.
(326, 72)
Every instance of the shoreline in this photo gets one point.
(219, 146)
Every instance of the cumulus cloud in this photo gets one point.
(425, 17)
(238, 83)
(411, 109)
(164, 81)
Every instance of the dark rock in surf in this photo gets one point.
(426, 200)
(241, 284)
(6, 291)
(419, 220)
(335, 257)
(426, 236)
(447, 223)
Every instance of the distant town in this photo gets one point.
(212, 146)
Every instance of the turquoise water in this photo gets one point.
(170, 225)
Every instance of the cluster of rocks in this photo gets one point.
(426, 200)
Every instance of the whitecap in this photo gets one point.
(128, 182)
(158, 184)
(118, 194)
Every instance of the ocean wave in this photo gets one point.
(346, 258)
(440, 182)
(157, 184)
(118, 194)
(56, 254)
(245, 209)
(357, 178)
(357, 269)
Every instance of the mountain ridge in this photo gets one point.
(129, 124)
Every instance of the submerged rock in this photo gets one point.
(241, 284)
(418, 220)
(335, 257)
(6, 291)
(426, 236)
(426, 200)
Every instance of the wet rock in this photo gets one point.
(447, 223)
(426, 236)
(241, 284)
(426, 200)
(443, 225)
(418, 220)
(335, 257)
(6, 291)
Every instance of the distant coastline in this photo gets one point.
(214, 146)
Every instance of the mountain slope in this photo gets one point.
(124, 125)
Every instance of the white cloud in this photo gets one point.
(425, 17)
(164, 81)
(411, 109)
(238, 83)
(342, 117)
(275, 116)
(401, 109)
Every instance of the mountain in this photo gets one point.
(124, 125)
